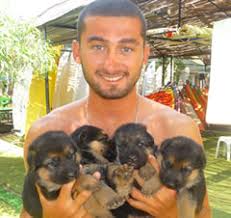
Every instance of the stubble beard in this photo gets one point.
(113, 92)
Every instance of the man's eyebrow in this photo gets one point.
(129, 40)
(96, 38)
(122, 41)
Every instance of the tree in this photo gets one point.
(22, 47)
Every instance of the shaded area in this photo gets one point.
(12, 138)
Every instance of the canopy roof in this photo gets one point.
(162, 16)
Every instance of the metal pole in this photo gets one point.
(171, 60)
(179, 13)
(46, 80)
(163, 71)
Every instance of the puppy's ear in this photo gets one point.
(79, 137)
(77, 151)
(201, 158)
(31, 159)
(164, 145)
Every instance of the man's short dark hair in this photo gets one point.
(114, 8)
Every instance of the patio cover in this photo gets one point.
(59, 22)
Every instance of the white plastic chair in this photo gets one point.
(226, 140)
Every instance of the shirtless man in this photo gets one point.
(112, 50)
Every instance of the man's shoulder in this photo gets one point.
(165, 114)
(63, 118)
(164, 122)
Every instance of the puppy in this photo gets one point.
(98, 153)
(53, 161)
(182, 161)
(94, 144)
(134, 144)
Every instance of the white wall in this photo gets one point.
(219, 98)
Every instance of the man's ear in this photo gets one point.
(146, 53)
(76, 51)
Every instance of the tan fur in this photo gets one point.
(97, 147)
(46, 181)
(103, 198)
(181, 164)
(186, 206)
(192, 178)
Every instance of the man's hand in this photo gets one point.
(162, 204)
(64, 205)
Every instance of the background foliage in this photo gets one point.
(22, 46)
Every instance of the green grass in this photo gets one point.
(11, 181)
(218, 177)
(11, 202)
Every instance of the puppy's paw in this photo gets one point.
(123, 180)
(87, 182)
(115, 203)
(92, 187)
(147, 191)
(123, 173)
(147, 171)
(151, 186)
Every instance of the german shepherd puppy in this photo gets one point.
(53, 161)
(94, 145)
(182, 161)
(134, 144)
(98, 154)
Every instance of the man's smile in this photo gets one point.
(112, 78)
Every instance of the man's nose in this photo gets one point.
(111, 61)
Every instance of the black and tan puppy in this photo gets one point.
(134, 144)
(182, 161)
(98, 154)
(53, 161)
(94, 144)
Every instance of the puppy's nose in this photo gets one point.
(172, 185)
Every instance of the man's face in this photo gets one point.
(112, 53)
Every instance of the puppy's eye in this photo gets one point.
(53, 163)
(103, 137)
(186, 170)
(141, 144)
